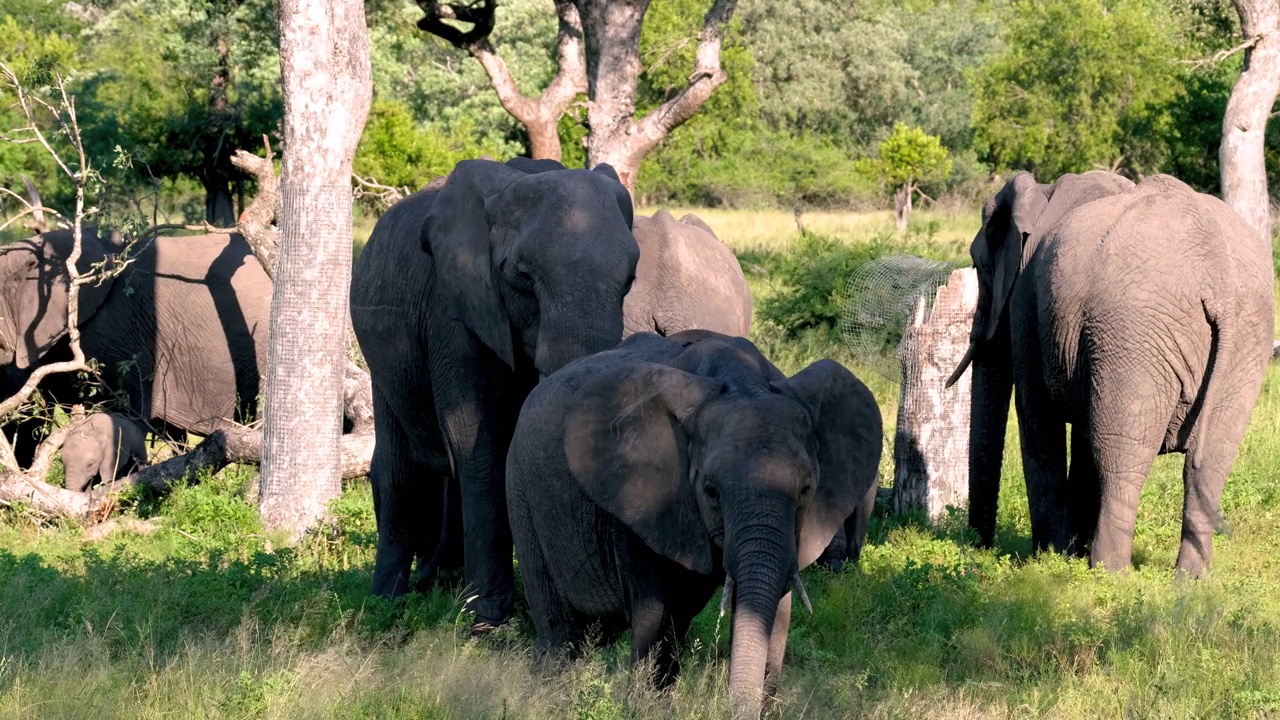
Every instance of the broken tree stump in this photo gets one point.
(931, 446)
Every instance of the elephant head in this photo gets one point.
(1013, 222)
(34, 293)
(533, 254)
(730, 469)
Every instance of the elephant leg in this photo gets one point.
(1082, 486)
(855, 528)
(1126, 428)
(402, 492)
(654, 634)
(1044, 463)
(559, 629)
(1203, 484)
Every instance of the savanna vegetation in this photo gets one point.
(207, 614)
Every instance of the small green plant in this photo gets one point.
(908, 157)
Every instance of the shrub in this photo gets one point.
(810, 279)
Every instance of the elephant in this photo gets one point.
(687, 279)
(466, 294)
(102, 446)
(641, 478)
(1141, 315)
(180, 332)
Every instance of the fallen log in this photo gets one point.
(236, 444)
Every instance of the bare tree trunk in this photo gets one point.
(931, 446)
(1244, 125)
(902, 207)
(540, 115)
(324, 61)
(612, 30)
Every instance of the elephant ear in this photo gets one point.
(619, 191)
(37, 270)
(694, 221)
(456, 233)
(847, 424)
(998, 247)
(628, 446)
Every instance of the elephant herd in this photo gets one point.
(560, 381)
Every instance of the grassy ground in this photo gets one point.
(207, 618)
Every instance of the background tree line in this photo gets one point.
(168, 89)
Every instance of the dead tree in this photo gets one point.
(1244, 125)
(612, 31)
(931, 446)
(326, 74)
(540, 115)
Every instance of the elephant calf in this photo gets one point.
(686, 280)
(641, 478)
(1140, 314)
(103, 446)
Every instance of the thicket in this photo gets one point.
(174, 86)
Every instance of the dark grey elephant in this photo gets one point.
(102, 447)
(1141, 315)
(642, 478)
(467, 292)
(181, 332)
(687, 279)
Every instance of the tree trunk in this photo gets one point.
(325, 71)
(1244, 125)
(931, 446)
(902, 207)
(612, 30)
(219, 205)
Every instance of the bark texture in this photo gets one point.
(931, 446)
(1244, 125)
(541, 114)
(612, 31)
(325, 71)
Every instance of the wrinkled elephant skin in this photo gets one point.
(1141, 315)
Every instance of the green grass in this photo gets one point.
(208, 617)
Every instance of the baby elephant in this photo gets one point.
(105, 446)
(641, 478)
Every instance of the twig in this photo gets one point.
(1221, 55)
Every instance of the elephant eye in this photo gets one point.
(711, 491)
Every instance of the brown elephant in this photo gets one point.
(686, 280)
(1143, 315)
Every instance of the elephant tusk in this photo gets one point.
(727, 593)
(798, 584)
(964, 364)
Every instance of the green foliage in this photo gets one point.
(395, 150)
(1080, 83)
(810, 278)
(180, 84)
(36, 41)
(910, 156)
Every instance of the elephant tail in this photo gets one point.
(1216, 388)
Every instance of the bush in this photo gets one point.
(394, 150)
(810, 279)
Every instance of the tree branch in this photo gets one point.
(538, 114)
(1221, 55)
(478, 13)
(257, 223)
(707, 76)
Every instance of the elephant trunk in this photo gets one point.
(988, 420)
(577, 333)
(761, 562)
